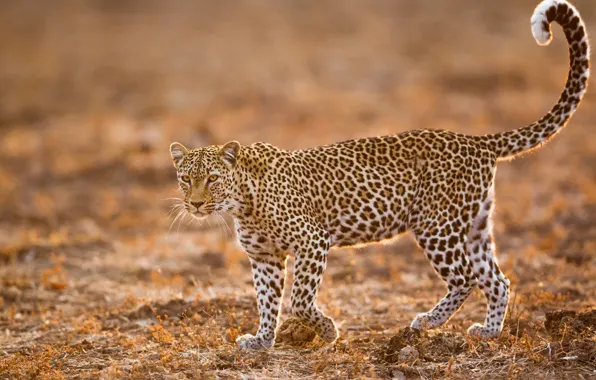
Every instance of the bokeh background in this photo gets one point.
(93, 92)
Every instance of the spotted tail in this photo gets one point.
(512, 143)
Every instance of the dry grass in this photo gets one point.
(93, 284)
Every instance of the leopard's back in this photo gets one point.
(371, 189)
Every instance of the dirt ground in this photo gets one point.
(97, 282)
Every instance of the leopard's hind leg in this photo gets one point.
(491, 280)
(445, 248)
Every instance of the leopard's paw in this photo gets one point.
(422, 322)
(328, 331)
(250, 342)
(481, 332)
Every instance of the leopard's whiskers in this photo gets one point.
(181, 211)
(174, 208)
(182, 220)
(219, 226)
(173, 199)
(224, 224)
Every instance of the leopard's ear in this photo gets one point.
(178, 152)
(229, 153)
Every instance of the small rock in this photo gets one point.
(405, 337)
(398, 375)
(408, 354)
(12, 293)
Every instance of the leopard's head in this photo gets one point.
(206, 176)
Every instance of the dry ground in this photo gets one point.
(95, 284)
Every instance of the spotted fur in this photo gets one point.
(435, 183)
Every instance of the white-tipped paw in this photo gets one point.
(250, 342)
(422, 322)
(478, 331)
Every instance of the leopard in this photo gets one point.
(437, 184)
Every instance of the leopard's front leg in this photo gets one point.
(268, 276)
(311, 260)
(269, 272)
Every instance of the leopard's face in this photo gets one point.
(205, 177)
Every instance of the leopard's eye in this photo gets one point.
(185, 178)
(212, 178)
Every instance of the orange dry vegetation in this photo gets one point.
(95, 284)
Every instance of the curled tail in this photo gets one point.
(512, 143)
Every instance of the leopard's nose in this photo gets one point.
(197, 204)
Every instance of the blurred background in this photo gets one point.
(93, 92)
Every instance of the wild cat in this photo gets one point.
(435, 183)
